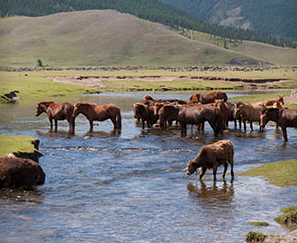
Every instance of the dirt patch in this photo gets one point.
(96, 81)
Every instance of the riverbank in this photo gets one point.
(282, 173)
(20, 146)
(59, 84)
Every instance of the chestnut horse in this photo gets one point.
(208, 97)
(192, 115)
(283, 117)
(280, 100)
(95, 112)
(57, 112)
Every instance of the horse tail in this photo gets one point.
(119, 120)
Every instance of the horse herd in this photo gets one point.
(212, 107)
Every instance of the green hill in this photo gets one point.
(271, 17)
(101, 38)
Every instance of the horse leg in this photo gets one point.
(202, 172)
(91, 125)
(251, 125)
(71, 124)
(114, 121)
(51, 124)
(244, 125)
(239, 121)
(214, 173)
(225, 169)
(56, 125)
(284, 129)
(232, 172)
(183, 128)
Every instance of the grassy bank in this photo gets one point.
(16, 144)
(33, 86)
(281, 173)
(37, 85)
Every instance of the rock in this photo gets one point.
(11, 96)
(289, 238)
(20, 173)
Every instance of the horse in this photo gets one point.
(208, 97)
(95, 112)
(280, 100)
(192, 115)
(57, 112)
(283, 117)
(145, 113)
(248, 112)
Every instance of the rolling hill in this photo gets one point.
(104, 38)
(163, 13)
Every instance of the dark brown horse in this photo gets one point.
(283, 117)
(57, 112)
(192, 115)
(95, 112)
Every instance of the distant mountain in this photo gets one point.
(271, 17)
(152, 10)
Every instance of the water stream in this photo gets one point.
(132, 187)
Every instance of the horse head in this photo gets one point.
(271, 114)
(42, 107)
(81, 108)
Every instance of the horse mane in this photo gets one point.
(46, 103)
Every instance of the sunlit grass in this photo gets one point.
(281, 173)
(15, 144)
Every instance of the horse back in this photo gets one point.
(288, 117)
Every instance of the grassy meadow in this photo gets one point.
(36, 85)
(281, 173)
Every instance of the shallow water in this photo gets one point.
(132, 187)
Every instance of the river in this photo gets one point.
(132, 186)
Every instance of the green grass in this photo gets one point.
(255, 237)
(256, 223)
(257, 97)
(14, 144)
(289, 216)
(179, 84)
(34, 86)
(281, 173)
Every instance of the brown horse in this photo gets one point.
(57, 112)
(208, 97)
(271, 102)
(283, 117)
(192, 115)
(95, 112)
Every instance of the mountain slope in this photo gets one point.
(152, 10)
(98, 38)
(272, 17)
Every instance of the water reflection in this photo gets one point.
(19, 195)
(214, 193)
